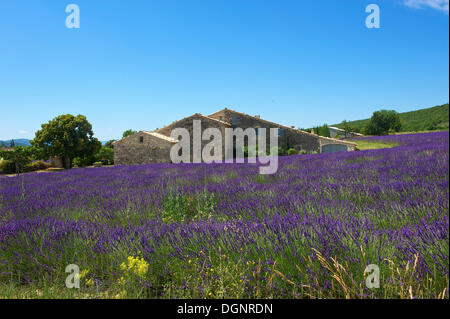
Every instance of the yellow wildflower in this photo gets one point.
(135, 265)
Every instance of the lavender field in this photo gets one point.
(224, 231)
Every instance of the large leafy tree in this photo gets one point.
(382, 122)
(67, 136)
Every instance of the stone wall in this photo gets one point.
(134, 151)
(327, 141)
(56, 162)
(187, 123)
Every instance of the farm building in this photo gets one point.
(336, 131)
(147, 147)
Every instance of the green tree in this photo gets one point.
(382, 122)
(128, 133)
(67, 136)
(110, 143)
(20, 157)
(12, 144)
(323, 130)
(105, 155)
(347, 128)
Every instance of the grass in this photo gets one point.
(373, 145)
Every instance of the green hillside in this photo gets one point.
(433, 118)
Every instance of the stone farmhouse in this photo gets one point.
(147, 147)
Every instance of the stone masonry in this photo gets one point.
(154, 147)
(143, 148)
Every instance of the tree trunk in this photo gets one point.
(67, 162)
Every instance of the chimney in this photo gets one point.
(312, 131)
(292, 126)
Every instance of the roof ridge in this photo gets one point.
(195, 114)
(162, 136)
(290, 128)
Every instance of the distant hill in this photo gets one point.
(26, 142)
(17, 142)
(433, 118)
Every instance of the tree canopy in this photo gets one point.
(110, 143)
(105, 155)
(66, 136)
(128, 133)
(19, 157)
(323, 130)
(382, 122)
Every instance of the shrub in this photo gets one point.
(292, 151)
(97, 164)
(7, 167)
(36, 166)
(83, 161)
(19, 158)
(307, 152)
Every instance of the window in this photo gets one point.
(141, 139)
(234, 119)
(281, 132)
(220, 117)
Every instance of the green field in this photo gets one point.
(372, 145)
(429, 119)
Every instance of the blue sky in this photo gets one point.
(143, 64)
